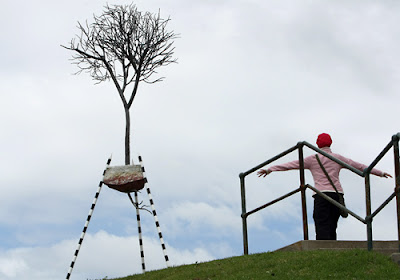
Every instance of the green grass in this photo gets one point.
(352, 264)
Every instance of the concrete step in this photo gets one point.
(385, 247)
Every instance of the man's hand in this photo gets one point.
(263, 172)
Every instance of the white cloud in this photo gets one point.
(10, 267)
(101, 254)
(198, 217)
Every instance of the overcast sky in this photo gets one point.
(253, 78)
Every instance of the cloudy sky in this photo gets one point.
(253, 78)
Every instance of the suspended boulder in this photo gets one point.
(125, 178)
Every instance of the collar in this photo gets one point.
(326, 149)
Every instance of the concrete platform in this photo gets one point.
(385, 247)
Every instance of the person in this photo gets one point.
(325, 214)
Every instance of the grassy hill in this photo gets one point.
(352, 264)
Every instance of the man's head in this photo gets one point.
(324, 140)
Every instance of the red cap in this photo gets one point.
(324, 140)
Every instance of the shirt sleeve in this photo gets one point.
(285, 166)
(361, 166)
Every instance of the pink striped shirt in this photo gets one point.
(321, 182)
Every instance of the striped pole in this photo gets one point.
(136, 204)
(155, 215)
(140, 233)
(87, 222)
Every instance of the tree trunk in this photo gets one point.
(127, 137)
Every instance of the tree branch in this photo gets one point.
(125, 46)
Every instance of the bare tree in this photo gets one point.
(126, 46)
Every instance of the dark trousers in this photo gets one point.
(326, 216)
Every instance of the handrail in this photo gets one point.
(303, 186)
(288, 151)
(271, 202)
(379, 157)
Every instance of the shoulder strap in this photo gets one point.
(326, 173)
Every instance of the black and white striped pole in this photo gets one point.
(140, 234)
(155, 214)
(136, 204)
(87, 222)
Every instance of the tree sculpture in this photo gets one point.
(125, 46)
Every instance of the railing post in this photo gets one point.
(368, 218)
(244, 216)
(303, 192)
(395, 140)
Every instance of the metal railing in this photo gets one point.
(303, 186)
